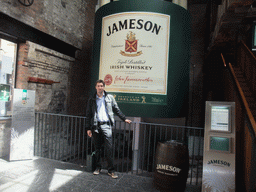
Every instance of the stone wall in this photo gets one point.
(62, 19)
(198, 41)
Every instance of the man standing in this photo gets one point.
(100, 119)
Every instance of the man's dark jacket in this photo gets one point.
(111, 108)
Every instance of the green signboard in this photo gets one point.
(254, 36)
(4, 92)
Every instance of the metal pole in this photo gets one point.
(136, 131)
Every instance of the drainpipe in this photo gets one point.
(182, 3)
(103, 2)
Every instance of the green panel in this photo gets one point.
(220, 144)
(140, 98)
(4, 92)
(175, 103)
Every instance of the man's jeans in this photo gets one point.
(103, 137)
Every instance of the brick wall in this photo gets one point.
(22, 71)
(41, 62)
(80, 72)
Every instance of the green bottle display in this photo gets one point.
(142, 52)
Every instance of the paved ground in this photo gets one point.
(45, 175)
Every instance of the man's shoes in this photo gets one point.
(97, 171)
(113, 175)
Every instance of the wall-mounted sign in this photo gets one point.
(4, 92)
(254, 36)
(134, 56)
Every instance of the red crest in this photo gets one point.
(131, 46)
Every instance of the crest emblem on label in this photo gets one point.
(131, 45)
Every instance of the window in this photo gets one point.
(8, 52)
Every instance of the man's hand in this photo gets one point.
(128, 121)
(89, 133)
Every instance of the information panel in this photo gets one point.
(219, 160)
(23, 122)
(220, 117)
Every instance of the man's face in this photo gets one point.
(100, 88)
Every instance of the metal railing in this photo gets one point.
(246, 61)
(60, 137)
(241, 78)
(149, 134)
(64, 138)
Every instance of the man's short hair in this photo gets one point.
(100, 81)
